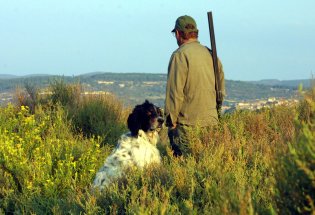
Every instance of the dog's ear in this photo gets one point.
(133, 123)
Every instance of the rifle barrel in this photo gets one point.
(214, 56)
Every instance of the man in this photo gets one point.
(190, 90)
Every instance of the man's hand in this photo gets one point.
(169, 123)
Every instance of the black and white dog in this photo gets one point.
(136, 148)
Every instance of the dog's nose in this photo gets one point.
(160, 120)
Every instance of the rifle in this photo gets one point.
(218, 87)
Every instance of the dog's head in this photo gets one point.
(146, 117)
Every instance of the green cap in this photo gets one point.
(185, 24)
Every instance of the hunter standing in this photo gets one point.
(190, 90)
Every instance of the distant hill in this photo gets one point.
(133, 88)
(286, 83)
(36, 75)
(6, 76)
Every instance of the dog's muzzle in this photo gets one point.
(158, 123)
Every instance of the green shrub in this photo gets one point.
(100, 116)
(296, 178)
(92, 115)
(41, 162)
(68, 95)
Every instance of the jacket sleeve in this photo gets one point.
(176, 80)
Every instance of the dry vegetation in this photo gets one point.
(253, 162)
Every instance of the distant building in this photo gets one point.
(96, 93)
(106, 82)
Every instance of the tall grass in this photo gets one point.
(252, 163)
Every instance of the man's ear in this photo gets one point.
(176, 33)
(133, 124)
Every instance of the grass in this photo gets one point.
(252, 163)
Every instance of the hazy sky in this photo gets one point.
(256, 39)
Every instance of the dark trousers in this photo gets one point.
(181, 136)
(179, 140)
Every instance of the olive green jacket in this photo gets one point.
(190, 90)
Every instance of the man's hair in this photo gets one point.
(189, 35)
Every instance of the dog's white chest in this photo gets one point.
(130, 151)
(144, 154)
(140, 149)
